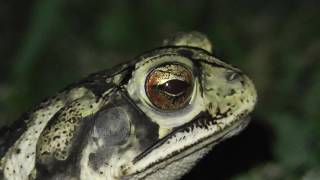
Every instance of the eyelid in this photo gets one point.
(162, 81)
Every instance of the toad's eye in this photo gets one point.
(169, 87)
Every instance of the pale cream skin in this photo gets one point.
(154, 143)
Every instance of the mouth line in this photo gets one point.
(175, 131)
(229, 131)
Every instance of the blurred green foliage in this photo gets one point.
(48, 44)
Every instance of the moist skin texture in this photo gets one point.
(117, 124)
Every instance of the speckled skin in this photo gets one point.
(105, 127)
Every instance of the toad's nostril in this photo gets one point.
(232, 76)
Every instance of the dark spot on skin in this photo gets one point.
(73, 120)
(45, 153)
(187, 130)
(242, 82)
(185, 53)
(18, 151)
(56, 137)
(231, 92)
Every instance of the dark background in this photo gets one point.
(47, 44)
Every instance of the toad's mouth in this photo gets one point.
(156, 156)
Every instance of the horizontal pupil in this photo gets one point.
(174, 86)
